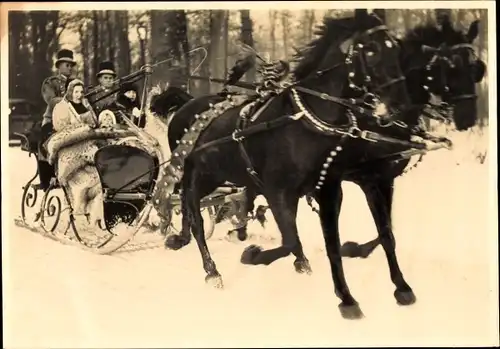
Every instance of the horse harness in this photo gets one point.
(364, 107)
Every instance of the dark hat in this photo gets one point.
(128, 86)
(106, 67)
(65, 55)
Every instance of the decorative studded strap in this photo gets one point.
(175, 169)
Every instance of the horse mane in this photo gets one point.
(169, 99)
(331, 33)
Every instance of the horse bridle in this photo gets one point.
(365, 104)
(352, 52)
(369, 99)
(442, 61)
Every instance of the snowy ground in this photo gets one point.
(60, 296)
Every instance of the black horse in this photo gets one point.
(438, 61)
(447, 67)
(319, 118)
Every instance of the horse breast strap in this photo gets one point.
(175, 170)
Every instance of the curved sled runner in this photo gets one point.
(127, 176)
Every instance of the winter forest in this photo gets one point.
(133, 38)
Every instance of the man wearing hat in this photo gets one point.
(54, 87)
(53, 90)
(106, 75)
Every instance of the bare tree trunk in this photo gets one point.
(53, 36)
(247, 38)
(216, 47)
(18, 72)
(159, 51)
(204, 86)
(42, 37)
(26, 59)
(178, 46)
(183, 38)
(103, 37)
(310, 25)
(225, 38)
(110, 19)
(272, 32)
(123, 65)
(95, 45)
(285, 26)
(84, 38)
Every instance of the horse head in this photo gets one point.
(169, 100)
(357, 58)
(442, 61)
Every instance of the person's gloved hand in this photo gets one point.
(136, 112)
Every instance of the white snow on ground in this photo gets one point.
(59, 296)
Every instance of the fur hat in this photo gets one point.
(128, 86)
(106, 67)
(65, 55)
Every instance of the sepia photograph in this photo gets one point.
(249, 174)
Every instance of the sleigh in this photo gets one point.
(128, 176)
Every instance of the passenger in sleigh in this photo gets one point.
(73, 109)
(53, 88)
(106, 77)
(75, 162)
(127, 101)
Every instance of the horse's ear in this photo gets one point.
(360, 13)
(473, 31)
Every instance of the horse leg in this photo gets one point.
(329, 199)
(283, 205)
(194, 191)
(176, 242)
(352, 249)
(380, 195)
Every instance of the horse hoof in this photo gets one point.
(249, 254)
(350, 249)
(405, 297)
(215, 281)
(302, 267)
(242, 234)
(235, 233)
(351, 312)
(175, 242)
